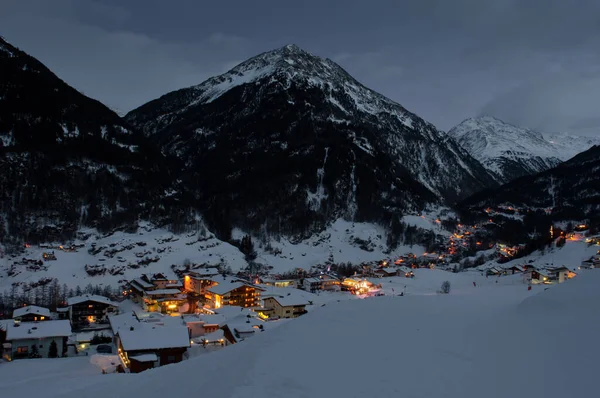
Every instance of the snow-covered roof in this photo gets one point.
(224, 288)
(145, 358)
(387, 270)
(290, 300)
(149, 336)
(90, 297)
(405, 269)
(40, 330)
(142, 283)
(216, 319)
(31, 309)
(216, 335)
(162, 291)
(232, 312)
(204, 272)
(122, 321)
(312, 280)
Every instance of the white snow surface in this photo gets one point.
(31, 309)
(37, 330)
(336, 242)
(569, 144)
(492, 340)
(487, 137)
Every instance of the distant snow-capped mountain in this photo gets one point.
(569, 145)
(508, 151)
(288, 140)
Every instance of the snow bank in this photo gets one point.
(489, 343)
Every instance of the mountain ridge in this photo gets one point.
(506, 150)
(67, 159)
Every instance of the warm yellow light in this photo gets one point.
(42, 318)
(172, 306)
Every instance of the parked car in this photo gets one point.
(104, 349)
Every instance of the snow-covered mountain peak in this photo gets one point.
(507, 150)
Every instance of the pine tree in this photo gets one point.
(64, 293)
(53, 350)
(78, 291)
(34, 352)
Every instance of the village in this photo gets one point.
(160, 319)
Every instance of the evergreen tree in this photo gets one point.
(34, 352)
(89, 289)
(64, 293)
(78, 291)
(53, 350)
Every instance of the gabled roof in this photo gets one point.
(91, 297)
(31, 309)
(144, 358)
(163, 291)
(141, 284)
(387, 270)
(290, 300)
(203, 272)
(40, 330)
(226, 287)
(149, 336)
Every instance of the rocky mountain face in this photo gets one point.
(66, 159)
(507, 151)
(570, 191)
(287, 141)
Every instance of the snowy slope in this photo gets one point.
(569, 145)
(491, 341)
(340, 243)
(506, 150)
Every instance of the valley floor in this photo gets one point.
(489, 340)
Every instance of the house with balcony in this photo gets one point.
(197, 282)
(31, 313)
(157, 293)
(235, 293)
(90, 310)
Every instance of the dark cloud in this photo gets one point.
(532, 62)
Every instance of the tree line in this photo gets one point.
(51, 296)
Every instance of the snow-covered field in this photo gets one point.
(492, 340)
(341, 243)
